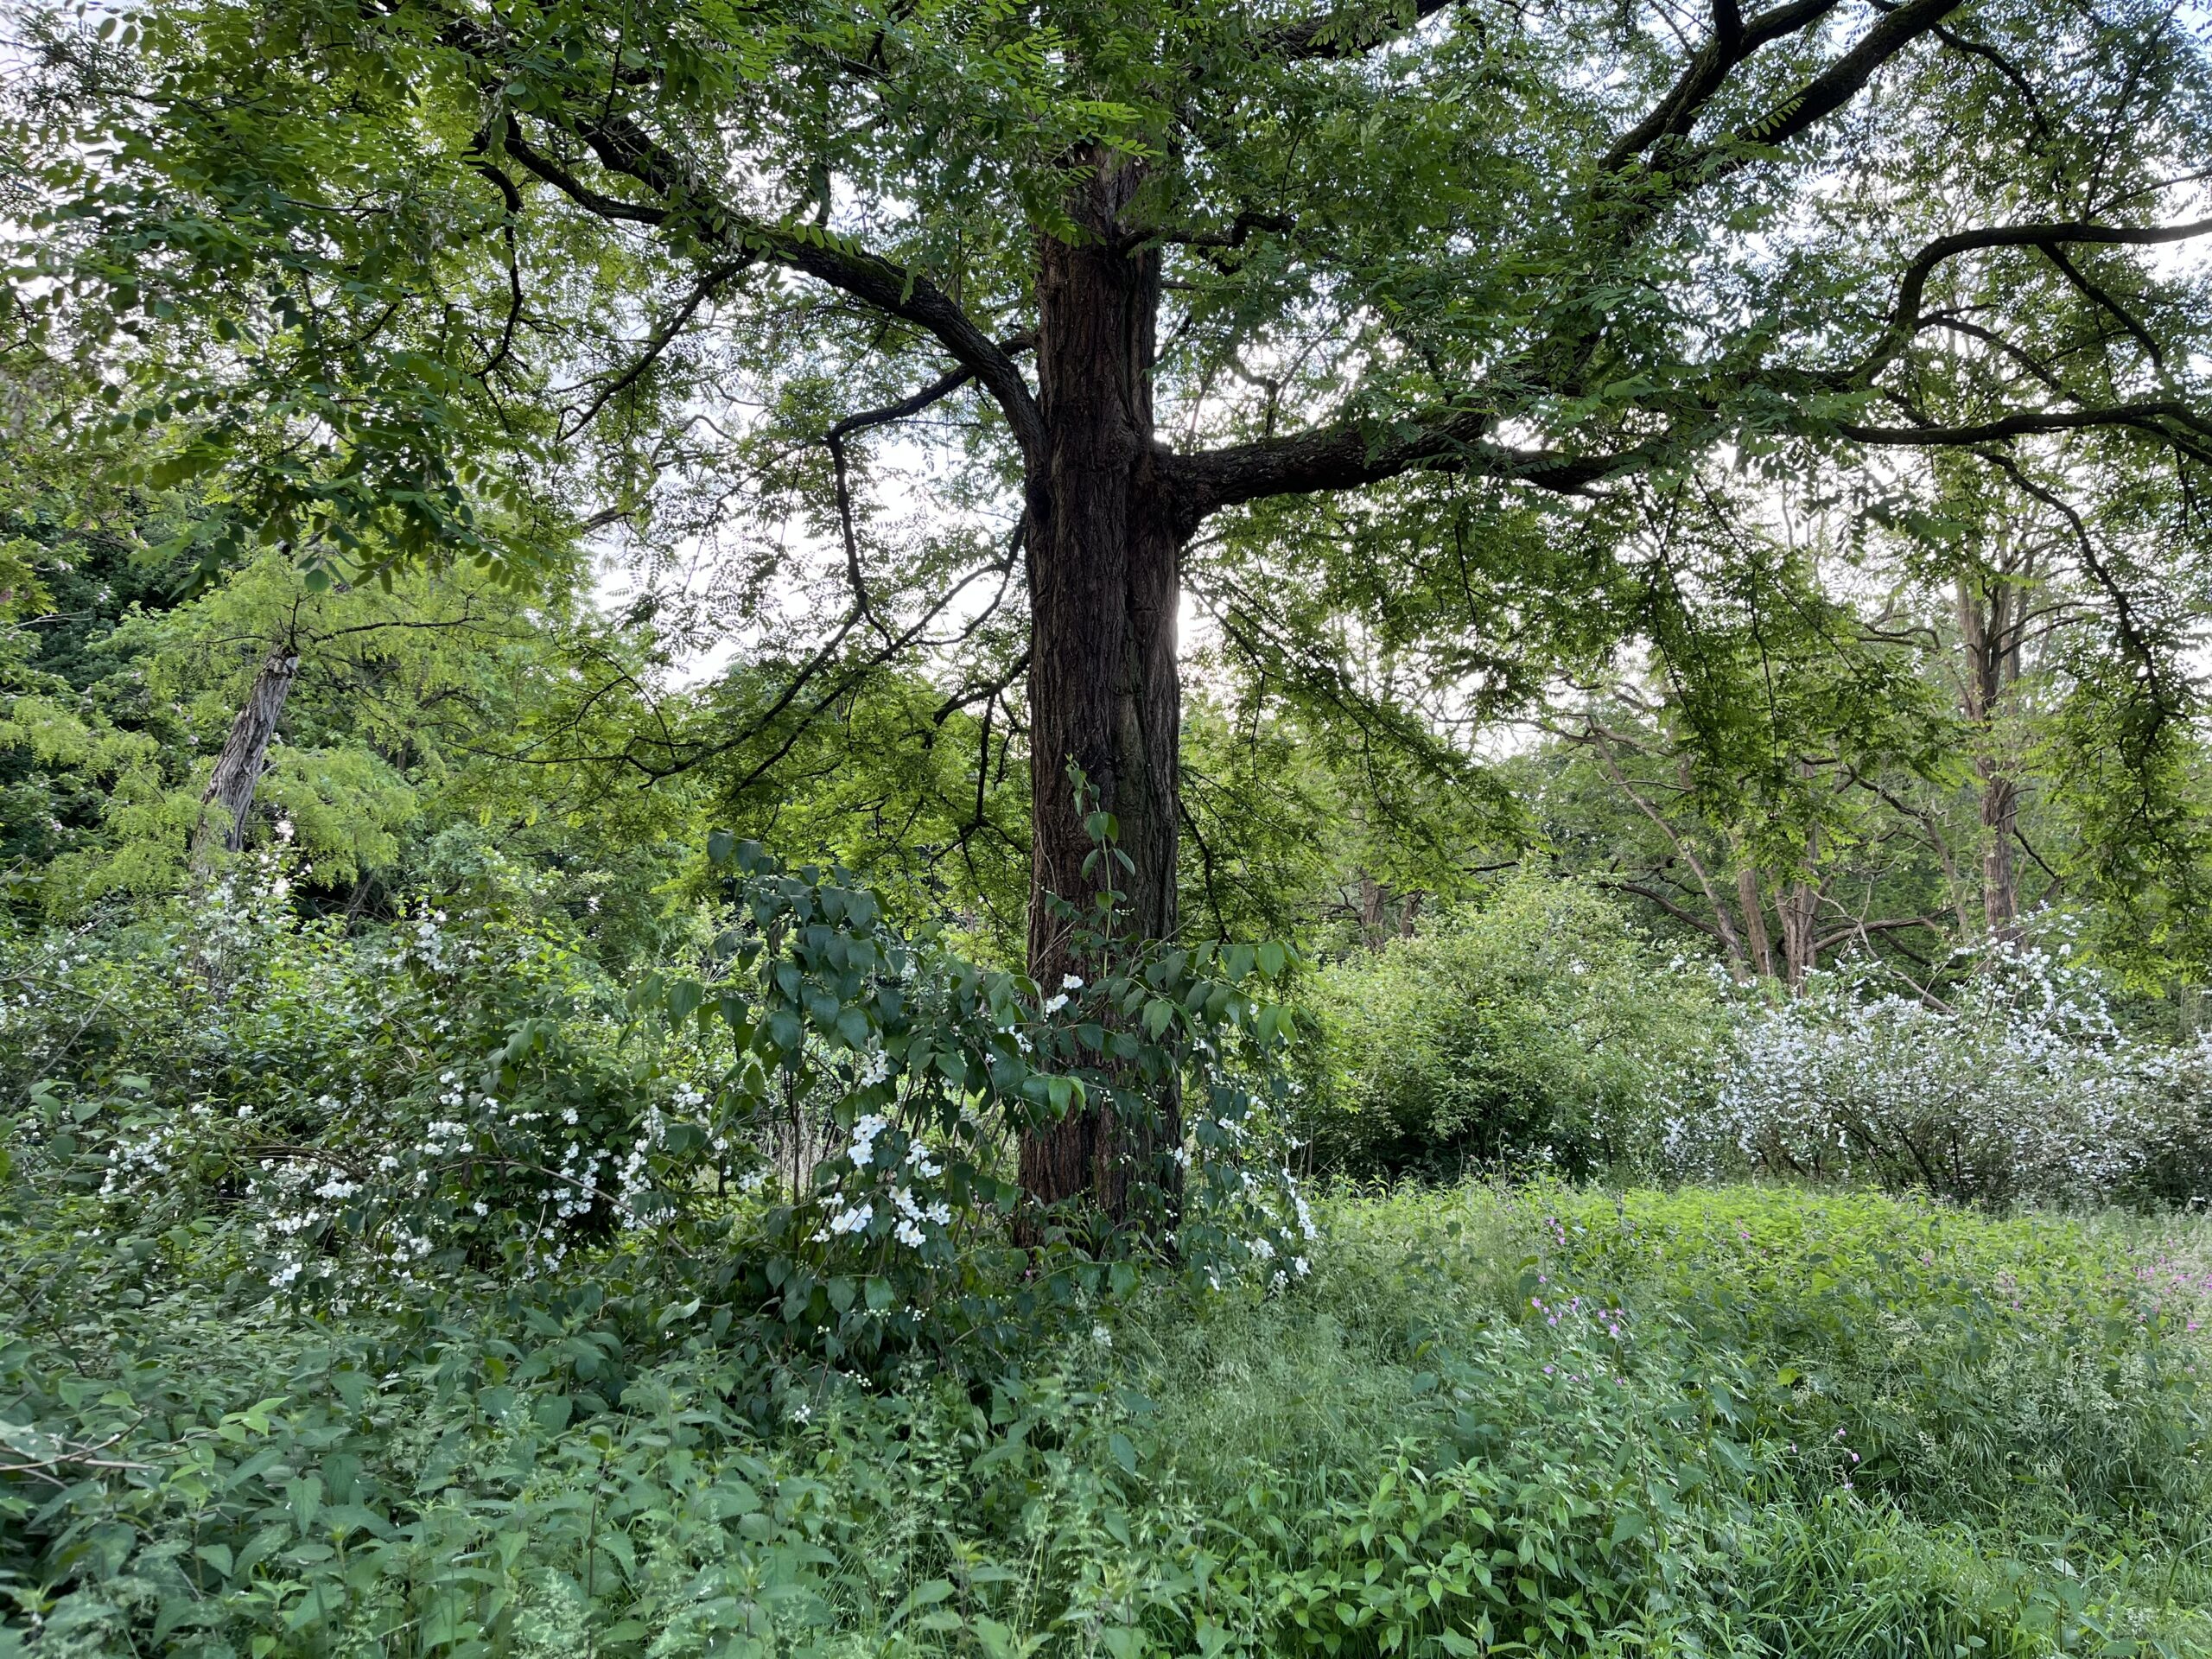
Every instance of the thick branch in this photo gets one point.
(1906, 314)
(1351, 33)
(1734, 40)
(1843, 81)
(2028, 423)
(1341, 457)
(624, 149)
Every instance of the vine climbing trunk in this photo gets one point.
(228, 800)
(1103, 542)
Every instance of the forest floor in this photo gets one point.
(1739, 1419)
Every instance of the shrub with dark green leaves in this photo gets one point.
(1539, 1029)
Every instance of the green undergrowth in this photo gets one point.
(1738, 1420)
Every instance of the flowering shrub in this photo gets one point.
(2020, 1084)
(819, 1128)
(372, 1109)
(885, 1084)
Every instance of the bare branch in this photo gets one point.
(623, 149)
(663, 337)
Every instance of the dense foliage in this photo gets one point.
(1550, 1425)
(1540, 1030)
(661, 663)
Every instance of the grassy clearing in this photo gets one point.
(1715, 1421)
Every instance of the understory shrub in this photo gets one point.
(2018, 1084)
(1538, 1030)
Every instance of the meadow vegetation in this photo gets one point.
(517, 1384)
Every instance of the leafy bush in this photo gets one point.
(1539, 1029)
(2020, 1084)
(819, 1119)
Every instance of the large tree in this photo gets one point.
(1180, 264)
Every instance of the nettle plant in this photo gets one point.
(2019, 1083)
(884, 1086)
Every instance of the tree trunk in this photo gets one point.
(1800, 910)
(1374, 906)
(1989, 630)
(238, 769)
(1750, 901)
(1103, 545)
(2000, 877)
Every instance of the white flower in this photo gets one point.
(862, 1150)
(1102, 1336)
(1070, 983)
(1055, 1003)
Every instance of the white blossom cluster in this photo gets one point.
(912, 1213)
(2019, 1083)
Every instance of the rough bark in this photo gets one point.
(1373, 908)
(227, 804)
(1799, 908)
(1103, 543)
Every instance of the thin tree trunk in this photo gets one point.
(1374, 906)
(1989, 620)
(1104, 545)
(1798, 909)
(1753, 904)
(226, 807)
(1409, 915)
